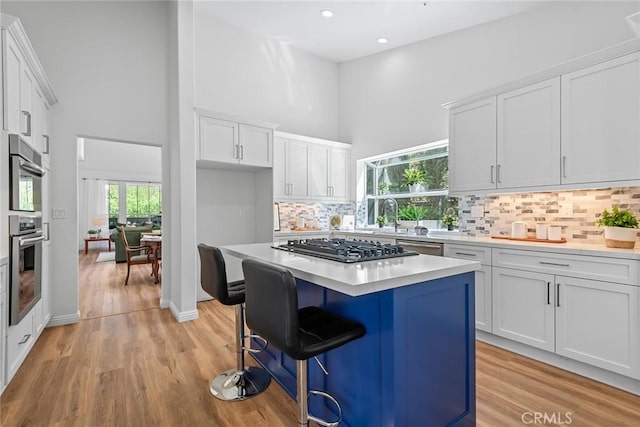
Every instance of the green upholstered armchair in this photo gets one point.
(133, 237)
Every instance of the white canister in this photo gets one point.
(519, 229)
(554, 232)
(541, 231)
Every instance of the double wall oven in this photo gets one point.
(25, 228)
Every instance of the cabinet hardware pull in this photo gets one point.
(28, 116)
(235, 151)
(492, 180)
(564, 166)
(242, 152)
(554, 263)
(498, 174)
(558, 295)
(548, 293)
(464, 253)
(25, 339)
(45, 150)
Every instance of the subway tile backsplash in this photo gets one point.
(315, 214)
(575, 211)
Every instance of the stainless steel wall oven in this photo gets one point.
(25, 172)
(25, 269)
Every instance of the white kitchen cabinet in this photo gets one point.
(230, 142)
(12, 70)
(290, 169)
(27, 95)
(598, 323)
(601, 122)
(528, 136)
(523, 307)
(472, 146)
(483, 280)
(308, 168)
(20, 340)
(3, 321)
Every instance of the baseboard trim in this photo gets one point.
(183, 316)
(598, 374)
(66, 319)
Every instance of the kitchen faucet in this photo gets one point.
(394, 203)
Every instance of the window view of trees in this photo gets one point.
(416, 179)
(143, 203)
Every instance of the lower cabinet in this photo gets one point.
(20, 339)
(483, 299)
(3, 321)
(587, 320)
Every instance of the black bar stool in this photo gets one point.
(272, 312)
(242, 382)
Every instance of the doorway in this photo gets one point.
(120, 186)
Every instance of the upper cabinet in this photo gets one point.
(601, 122)
(230, 141)
(27, 93)
(310, 168)
(575, 125)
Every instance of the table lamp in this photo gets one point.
(98, 222)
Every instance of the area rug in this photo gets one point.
(106, 256)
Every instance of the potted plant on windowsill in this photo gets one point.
(620, 228)
(414, 179)
(450, 219)
(412, 214)
(383, 187)
(380, 220)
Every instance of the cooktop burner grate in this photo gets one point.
(347, 251)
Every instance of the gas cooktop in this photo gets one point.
(347, 251)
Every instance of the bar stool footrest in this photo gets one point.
(240, 385)
(320, 421)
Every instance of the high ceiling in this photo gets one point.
(353, 30)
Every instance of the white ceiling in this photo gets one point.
(356, 25)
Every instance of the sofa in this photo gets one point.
(133, 238)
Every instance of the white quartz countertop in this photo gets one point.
(573, 247)
(356, 278)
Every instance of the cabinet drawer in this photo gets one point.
(473, 253)
(588, 267)
(20, 338)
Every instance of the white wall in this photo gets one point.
(107, 63)
(110, 160)
(239, 73)
(393, 100)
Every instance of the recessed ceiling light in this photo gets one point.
(327, 13)
(382, 40)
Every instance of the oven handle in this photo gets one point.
(23, 241)
(33, 168)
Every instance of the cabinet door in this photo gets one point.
(319, 171)
(280, 184)
(601, 122)
(523, 307)
(3, 316)
(27, 89)
(256, 145)
(12, 61)
(338, 173)
(218, 140)
(483, 298)
(472, 146)
(298, 169)
(598, 323)
(528, 148)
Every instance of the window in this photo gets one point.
(143, 201)
(418, 177)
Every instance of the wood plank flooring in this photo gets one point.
(128, 363)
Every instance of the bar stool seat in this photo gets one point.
(272, 312)
(242, 382)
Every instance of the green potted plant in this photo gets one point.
(620, 228)
(380, 220)
(93, 234)
(383, 187)
(412, 213)
(414, 178)
(450, 219)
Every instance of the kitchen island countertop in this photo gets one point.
(356, 278)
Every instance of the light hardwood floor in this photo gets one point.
(131, 364)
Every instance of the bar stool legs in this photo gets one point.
(242, 382)
(302, 398)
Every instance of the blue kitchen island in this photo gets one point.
(416, 364)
